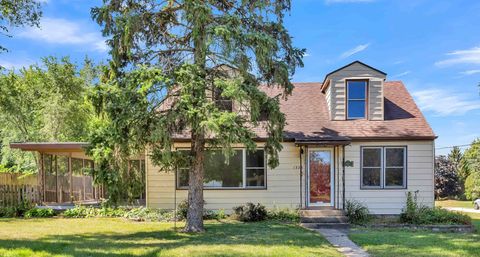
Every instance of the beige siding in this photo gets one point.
(338, 91)
(328, 98)
(283, 183)
(375, 99)
(420, 168)
(283, 187)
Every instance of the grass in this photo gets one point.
(117, 237)
(454, 203)
(420, 243)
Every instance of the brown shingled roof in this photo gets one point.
(308, 117)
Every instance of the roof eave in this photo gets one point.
(325, 84)
(50, 146)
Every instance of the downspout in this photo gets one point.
(337, 177)
(343, 176)
(301, 176)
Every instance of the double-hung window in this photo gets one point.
(384, 167)
(244, 169)
(357, 99)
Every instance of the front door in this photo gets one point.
(320, 177)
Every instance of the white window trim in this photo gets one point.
(244, 174)
(404, 167)
(348, 99)
(383, 167)
(366, 167)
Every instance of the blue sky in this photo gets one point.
(433, 46)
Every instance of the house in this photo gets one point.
(354, 136)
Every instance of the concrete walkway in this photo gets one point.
(339, 239)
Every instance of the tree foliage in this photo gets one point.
(44, 102)
(18, 13)
(447, 181)
(170, 59)
(470, 171)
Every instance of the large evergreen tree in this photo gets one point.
(191, 51)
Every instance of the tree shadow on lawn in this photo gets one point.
(152, 243)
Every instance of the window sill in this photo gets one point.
(226, 188)
(383, 188)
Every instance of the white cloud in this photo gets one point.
(401, 74)
(347, 1)
(468, 56)
(61, 31)
(469, 72)
(354, 50)
(17, 64)
(445, 103)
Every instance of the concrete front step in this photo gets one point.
(324, 219)
(326, 225)
(321, 213)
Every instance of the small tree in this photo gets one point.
(171, 61)
(447, 182)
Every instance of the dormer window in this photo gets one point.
(357, 99)
(223, 103)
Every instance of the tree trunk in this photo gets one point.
(196, 173)
(195, 188)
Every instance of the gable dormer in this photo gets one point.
(355, 91)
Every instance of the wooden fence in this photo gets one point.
(17, 188)
(18, 179)
(13, 195)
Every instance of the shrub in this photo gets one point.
(8, 212)
(214, 214)
(15, 211)
(39, 213)
(413, 213)
(147, 214)
(250, 212)
(80, 211)
(356, 212)
(182, 209)
(287, 215)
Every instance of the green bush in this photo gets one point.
(80, 211)
(287, 215)
(214, 214)
(182, 210)
(356, 212)
(250, 212)
(39, 213)
(147, 214)
(8, 212)
(413, 213)
(15, 211)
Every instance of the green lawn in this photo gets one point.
(408, 243)
(454, 203)
(117, 237)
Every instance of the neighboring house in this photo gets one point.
(354, 136)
